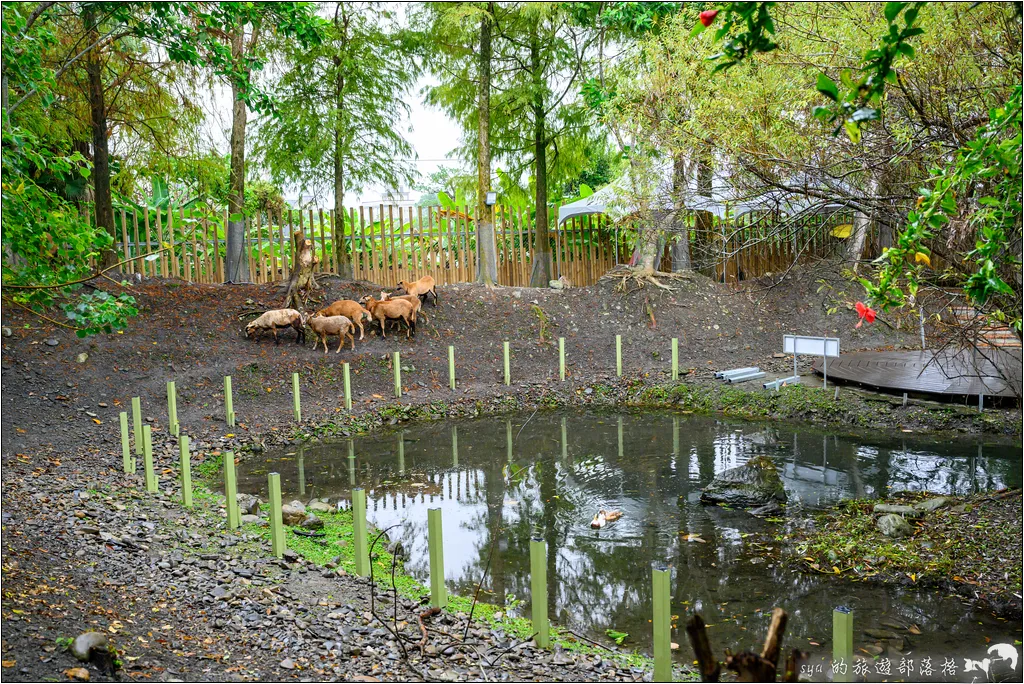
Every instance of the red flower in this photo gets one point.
(866, 313)
(707, 17)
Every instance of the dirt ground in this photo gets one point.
(60, 443)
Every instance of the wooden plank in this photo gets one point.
(125, 251)
(165, 257)
(523, 247)
(205, 275)
(138, 265)
(325, 258)
(192, 273)
(374, 271)
(175, 272)
(364, 255)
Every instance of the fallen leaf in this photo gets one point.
(79, 673)
(8, 663)
(914, 629)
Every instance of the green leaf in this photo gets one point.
(827, 87)
(853, 131)
(893, 9)
(697, 30)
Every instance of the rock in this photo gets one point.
(288, 664)
(892, 525)
(249, 519)
(905, 511)
(755, 483)
(929, 505)
(290, 556)
(90, 644)
(880, 634)
(82, 358)
(320, 507)
(778, 355)
(249, 504)
(8, 332)
(290, 515)
(556, 284)
(78, 673)
(311, 522)
(772, 508)
(52, 342)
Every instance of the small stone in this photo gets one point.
(77, 673)
(880, 634)
(320, 507)
(556, 284)
(288, 664)
(778, 355)
(929, 505)
(8, 332)
(82, 358)
(249, 519)
(52, 342)
(292, 515)
(905, 511)
(892, 525)
(311, 522)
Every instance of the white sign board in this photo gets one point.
(814, 346)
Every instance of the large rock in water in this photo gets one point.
(755, 483)
(892, 525)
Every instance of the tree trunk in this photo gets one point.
(344, 258)
(236, 263)
(680, 231)
(861, 224)
(541, 273)
(485, 239)
(104, 207)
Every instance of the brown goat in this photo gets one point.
(416, 302)
(351, 310)
(422, 288)
(277, 318)
(331, 325)
(394, 309)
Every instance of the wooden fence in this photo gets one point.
(386, 244)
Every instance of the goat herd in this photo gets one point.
(345, 315)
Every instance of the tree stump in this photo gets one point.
(750, 667)
(303, 279)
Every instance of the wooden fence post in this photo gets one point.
(451, 367)
(137, 423)
(229, 402)
(359, 534)
(231, 490)
(397, 364)
(348, 386)
(147, 458)
(438, 593)
(276, 519)
(126, 447)
(186, 472)
(539, 591)
(172, 408)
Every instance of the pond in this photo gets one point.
(497, 480)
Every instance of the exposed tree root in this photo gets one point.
(642, 277)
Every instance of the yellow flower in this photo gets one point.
(922, 258)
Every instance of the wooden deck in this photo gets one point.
(993, 372)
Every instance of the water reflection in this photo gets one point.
(497, 480)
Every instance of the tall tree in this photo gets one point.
(104, 206)
(485, 238)
(236, 263)
(336, 127)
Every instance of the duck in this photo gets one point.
(604, 517)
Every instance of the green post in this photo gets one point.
(348, 387)
(508, 373)
(565, 442)
(186, 472)
(438, 593)
(126, 446)
(539, 591)
(276, 520)
(842, 644)
(621, 450)
(231, 490)
(455, 446)
(137, 423)
(172, 408)
(662, 622)
(675, 435)
(618, 355)
(359, 526)
(295, 397)
(561, 359)
(300, 460)
(675, 359)
(229, 402)
(401, 452)
(397, 363)
(351, 463)
(147, 457)
(508, 439)
(451, 367)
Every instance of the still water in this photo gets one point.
(500, 480)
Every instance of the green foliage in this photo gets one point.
(983, 188)
(745, 30)
(100, 312)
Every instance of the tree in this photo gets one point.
(339, 109)
(485, 238)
